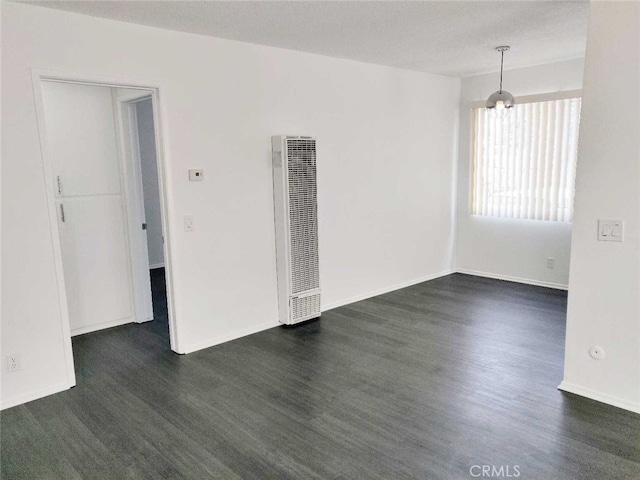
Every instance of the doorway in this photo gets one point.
(135, 119)
(103, 204)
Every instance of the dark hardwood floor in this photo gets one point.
(421, 383)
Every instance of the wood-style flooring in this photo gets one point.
(433, 381)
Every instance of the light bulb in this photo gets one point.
(500, 104)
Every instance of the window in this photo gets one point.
(524, 165)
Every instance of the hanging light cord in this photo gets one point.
(501, 63)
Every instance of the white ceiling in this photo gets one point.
(447, 37)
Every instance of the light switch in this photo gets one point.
(196, 175)
(615, 230)
(610, 230)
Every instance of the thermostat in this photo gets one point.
(196, 175)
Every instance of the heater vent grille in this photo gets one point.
(296, 228)
(303, 218)
(303, 307)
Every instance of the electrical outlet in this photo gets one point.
(13, 363)
(551, 263)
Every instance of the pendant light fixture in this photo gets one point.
(501, 102)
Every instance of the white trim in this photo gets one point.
(156, 265)
(267, 325)
(541, 97)
(230, 336)
(99, 80)
(102, 326)
(508, 278)
(35, 395)
(131, 97)
(54, 231)
(375, 293)
(599, 396)
(163, 162)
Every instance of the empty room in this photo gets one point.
(320, 240)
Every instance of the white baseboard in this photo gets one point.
(156, 265)
(599, 396)
(267, 325)
(528, 281)
(364, 296)
(100, 326)
(228, 337)
(29, 397)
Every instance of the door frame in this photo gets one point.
(159, 112)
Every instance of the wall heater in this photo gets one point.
(296, 224)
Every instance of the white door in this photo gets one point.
(81, 140)
(126, 119)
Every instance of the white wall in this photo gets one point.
(604, 293)
(511, 248)
(150, 186)
(386, 147)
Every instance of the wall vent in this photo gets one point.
(296, 223)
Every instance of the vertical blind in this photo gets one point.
(524, 165)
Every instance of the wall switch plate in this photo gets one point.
(610, 230)
(13, 363)
(551, 263)
(189, 225)
(196, 175)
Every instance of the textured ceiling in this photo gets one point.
(448, 37)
